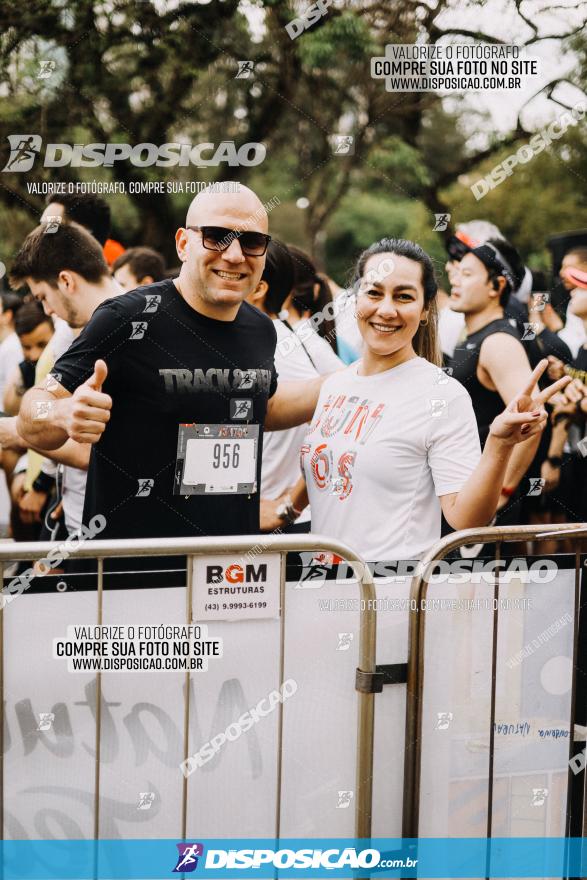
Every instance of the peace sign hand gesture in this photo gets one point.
(525, 415)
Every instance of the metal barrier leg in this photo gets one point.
(282, 572)
(98, 723)
(492, 710)
(186, 712)
(2, 722)
(366, 707)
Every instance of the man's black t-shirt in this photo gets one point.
(168, 365)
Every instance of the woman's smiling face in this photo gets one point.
(390, 303)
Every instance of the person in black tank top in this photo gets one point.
(465, 364)
(490, 360)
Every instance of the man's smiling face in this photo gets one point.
(221, 280)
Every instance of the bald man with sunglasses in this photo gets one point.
(172, 385)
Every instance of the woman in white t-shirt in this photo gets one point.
(394, 441)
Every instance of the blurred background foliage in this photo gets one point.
(148, 71)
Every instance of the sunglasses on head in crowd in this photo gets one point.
(457, 249)
(219, 238)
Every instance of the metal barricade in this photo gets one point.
(416, 670)
(203, 547)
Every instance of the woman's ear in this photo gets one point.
(257, 297)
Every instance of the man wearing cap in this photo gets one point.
(490, 360)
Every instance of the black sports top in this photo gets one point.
(464, 362)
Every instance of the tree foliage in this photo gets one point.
(148, 71)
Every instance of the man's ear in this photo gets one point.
(146, 279)
(67, 281)
(181, 243)
(498, 287)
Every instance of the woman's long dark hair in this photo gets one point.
(305, 278)
(425, 342)
(279, 275)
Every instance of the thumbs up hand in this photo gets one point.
(89, 408)
(99, 376)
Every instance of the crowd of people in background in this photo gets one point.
(497, 320)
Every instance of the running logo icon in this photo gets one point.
(437, 406)
(47, 68)
(344, 641)
(245, 68)
(152, 302)
(444, 719)
(536, 486)
(441, 222)
(187, 860)
(539, 796)
(23, 151)
(246, 381)
(146, 800)
(52, 222)
(442, 374)
(138, 329)
(241, 409)
(42, 409)
(46, 720)
(343, 144)
(314, 571)
(530, 331)
(539, 301)
(145, 487)
(52, 380)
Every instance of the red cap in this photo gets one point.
(112, 250)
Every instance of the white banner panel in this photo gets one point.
(235, 711)
(142, 727)
(533, 709)
(48, 761)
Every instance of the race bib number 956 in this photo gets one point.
(216, 459)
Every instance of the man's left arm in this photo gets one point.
(293, 403)
(506, 362)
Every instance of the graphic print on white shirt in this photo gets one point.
(380, 451)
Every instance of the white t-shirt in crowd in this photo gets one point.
(345, 320)
(450, 326)
(380, 451)
(573, 333)
(74, 479)
(11, 355)
(281, 449)
(324, 357)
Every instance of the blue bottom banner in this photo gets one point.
(288, 858)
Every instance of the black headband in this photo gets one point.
(494, 259)
(457, 249)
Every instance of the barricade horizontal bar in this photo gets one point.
(180, 546)
(500, 533)
(268, 543)
(300, 857)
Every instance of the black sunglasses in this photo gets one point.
(218, 238)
